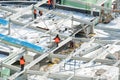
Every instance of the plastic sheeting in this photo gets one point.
(3, 22)
(21, 43)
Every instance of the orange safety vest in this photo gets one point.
(57, 40)
(35, 11)
(22, 61)
(49, 2)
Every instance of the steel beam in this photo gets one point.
(80, 29)
(52, 75)
(38, 29)
(40, 3)
(27, 25)
(65, 16)
(103, 61)
(13, 55)
(24, 1)
(73, 53)
(65, 41)
(17, 57)
(93, 48)
(61, 76)
(103, 54)
(37, 60)
(10, 67)
(83, 21)
(96, 41)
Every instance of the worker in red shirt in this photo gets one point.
(57, 40)
(22, 63)
(50, 4)
(35, 13)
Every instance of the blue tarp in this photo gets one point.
(21, 43)
(3, 22)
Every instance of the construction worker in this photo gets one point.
(35, 13)
(22, 63)
(71, 44)
(50, 4)
(57, 40)
(40, 13)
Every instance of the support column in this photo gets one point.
(54, 4)
(32, 12)
(92, 10)
(72, 22)
(118, 4)
(9, 31)
(92, 28)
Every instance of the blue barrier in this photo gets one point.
(3, 22)
(21, 43)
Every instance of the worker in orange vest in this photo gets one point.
(22, 63)
(57, 40)
(35, 13)
(50, 4)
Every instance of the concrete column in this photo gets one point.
(32, 12)
(92, 29)
(9, 31)
(72, 22)
(118, 4)
(54, 3)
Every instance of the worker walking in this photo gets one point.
(57, 39)
(50, 4)
(35, 13)
(22, 63)
(40, 13)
